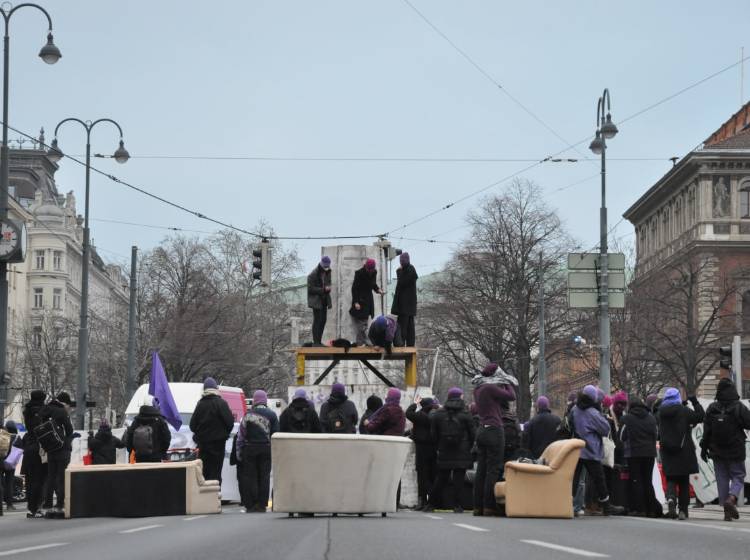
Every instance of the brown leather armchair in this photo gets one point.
(531, 490)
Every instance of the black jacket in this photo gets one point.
(374, 403)
(348, 409)
(31, 419)
(317, 280)
(540, 432)
(212, 420)
(676, 447)
(300, 418)
(638, 432)
(104, 447)
(150, 415)
(55, 410)
(728, 403)
(363, 286)
(452, 455)
(421, 432)
(405, 296)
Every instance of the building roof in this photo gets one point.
(740, 141)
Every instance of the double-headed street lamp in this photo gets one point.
(121, 155)
(605, 130)
(49, 54)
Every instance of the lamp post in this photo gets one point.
(121, 155)
(605, 130)
(49, 54)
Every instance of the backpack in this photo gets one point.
(725, 427)
(337, 421)
(143, 440)
(451, 431)
(5, 443)
(566, 429)
(48, 435)
(298, 421)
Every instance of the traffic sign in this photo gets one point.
(590, 261)
(590, 300)
(589, 280)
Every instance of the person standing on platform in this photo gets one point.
(425, 445)
(363, 304)
(405, 299)
(319, 297)
(211, 424)
(254, 447)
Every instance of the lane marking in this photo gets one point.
(137, 529)
(472, 527)
(32, 548)
(194, 518)
(433, 516)
(568, 549)
(691, 523)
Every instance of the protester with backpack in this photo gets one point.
(452, 428)
(148, 437)
(638, 435)
(425, 446)
(34, 471)
(338, 415)
(676, 448)
(103, 445)
(55, 434)
(211, 424)
(374, 403)
(300, 416)
(724, 442)
(254, 450)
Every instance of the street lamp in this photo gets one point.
(49, 54)
(605, 130)
(121, 155)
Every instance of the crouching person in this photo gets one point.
(254, 451)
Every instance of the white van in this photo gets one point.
(186, 396)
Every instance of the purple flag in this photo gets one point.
(158, 386)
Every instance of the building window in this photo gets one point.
(38, 298)
(57, 298)
(39, 260)
(36, 337)
(745, 201)
(57, 260)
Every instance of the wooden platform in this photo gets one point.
(363, 354)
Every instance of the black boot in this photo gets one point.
(609, 509)
(672, 508)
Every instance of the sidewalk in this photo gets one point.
(716, 513)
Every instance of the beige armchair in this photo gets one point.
(533, 490)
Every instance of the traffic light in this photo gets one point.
(262, 263)
(725, 362)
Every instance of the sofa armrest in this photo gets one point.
(529, 468)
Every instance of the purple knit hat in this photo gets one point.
(490, 369)
(325, 262)
(404, 259)
(455, 393)
(572, 396)
(590, 392)
(260, 397)
(338, 389)
(300, 394)
(542, 403)
(393, 396)
(210, 383)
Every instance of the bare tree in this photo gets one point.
(48, 352)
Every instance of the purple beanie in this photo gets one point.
(599, 395)
(590, 392)
(338, 389)
(260, 397)
(393, 396)
(210, 383)
(620, 397)
(370, 264)
(404, 259)
(300, 394)
(455, 393)
(490, 369)
(325, 262)
(542, 403)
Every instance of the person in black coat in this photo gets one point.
(104, 446)
(211, 424)
(452, 427)
(374, 403)
(319, 297)
(638, 435)
(338, 415)
(541, 430)
(34, 471)
(300, 416)
(676, 448)
(58, 411)
(149, 415)
(426, 450)
(363, 304)
(385, 332)
(405, 298)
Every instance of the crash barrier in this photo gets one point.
(541, 490)
(337, 473)
(140, 490)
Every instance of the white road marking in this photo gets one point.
(691, 524)
(568, 549)
(433, 516)
(471, 527)
(137, 529)
(31, 548)
(194, 518)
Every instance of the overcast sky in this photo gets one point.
(368, 79)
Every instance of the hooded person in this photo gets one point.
(57, 411)
(452, 427)
(541, 430)
(374, 403)
(103, 445)
(34, 471)
(212, 423)
(426, 449)
(148, 436)
(638, 434)
(319, 297)
(489, 398)
(338, 415)
(385, 332)
(254, 450)
(363, 303)
(405, 298)
(676, 448)
(300, 416)
(591, 426)
(724, 443)
(389, 420)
